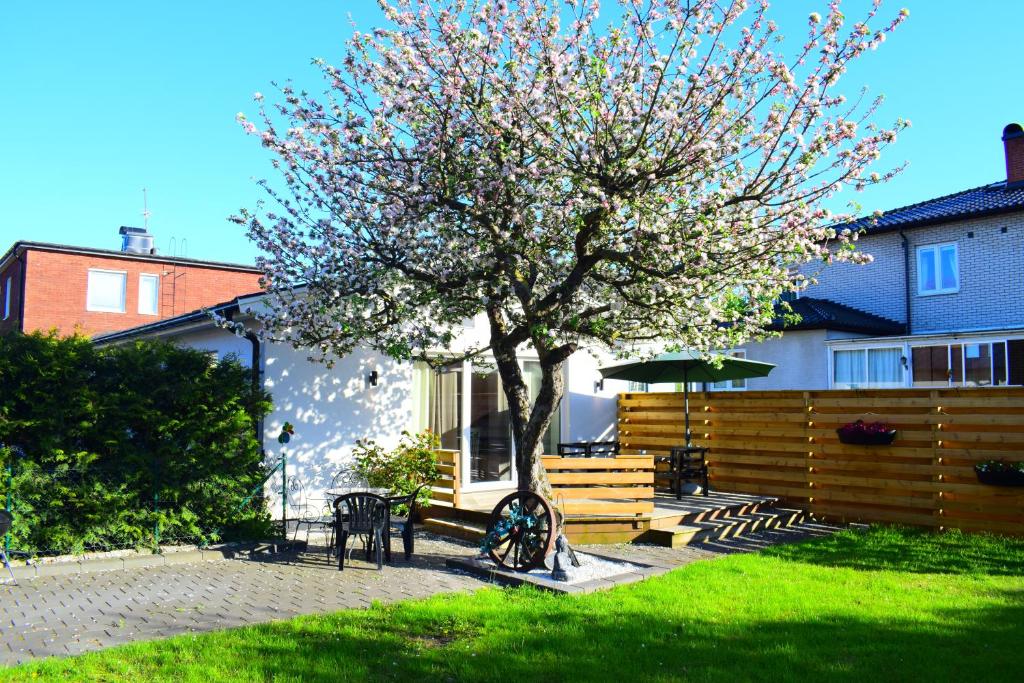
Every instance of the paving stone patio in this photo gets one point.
(66, 615)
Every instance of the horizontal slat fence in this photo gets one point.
(784, 444)
(445, 489)
(622, 486)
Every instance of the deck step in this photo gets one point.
(729, 527)
(690, 513)
(455, 528)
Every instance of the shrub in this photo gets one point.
(412, 463)
(123, 443)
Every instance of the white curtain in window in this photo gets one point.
(105, 291)
(422, 374)
(926, 267)
(947, 259)
(885, 366)
(849, 367)
(149, 294)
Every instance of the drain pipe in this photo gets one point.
(254, 367)
(906, 277)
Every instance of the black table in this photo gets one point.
(679, 455)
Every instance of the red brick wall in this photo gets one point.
(12, 271)
(57, 282)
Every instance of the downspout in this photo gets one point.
(906, 278)
(22, 293)
(254, 368)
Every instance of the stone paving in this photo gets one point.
(66, 615)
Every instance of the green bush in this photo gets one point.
(402, 469)
(123, 443)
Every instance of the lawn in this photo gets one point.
(885, 604)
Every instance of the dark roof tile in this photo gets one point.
(986, 200)
(822, 314)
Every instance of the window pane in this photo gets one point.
(850, 367)
(931, 365)
(105, 291)
(978, 364)
(947, 258)
(956, 359)
(1015, 350)
(885, 366)
(149, 292)
(999, 363)
(926, 270)
(490, 429)
(7, 299)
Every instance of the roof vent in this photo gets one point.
(1013, 145)
(136, 240)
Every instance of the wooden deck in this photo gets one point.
(671, 523)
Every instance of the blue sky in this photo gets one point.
(100, 99)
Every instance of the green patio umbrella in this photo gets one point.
(686, 367)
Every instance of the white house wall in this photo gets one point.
(800, 357)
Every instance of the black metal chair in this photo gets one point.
(6, 519)
(365, 514)
(576, 449)
(602, 449)
(688, 463)
(404, 524)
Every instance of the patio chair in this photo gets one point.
(576, 449)
(602, 449)
(6, 519)
(688, 463)
(365, 514)
(404, 524)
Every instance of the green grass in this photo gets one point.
(886, 604)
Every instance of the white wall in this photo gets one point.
(589, 414)
(331, 408)
(801, 358)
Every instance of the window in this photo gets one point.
(971, 364)
(938, 270)
(7, 299)
(106, 291)
(855, 368)
(730, 384)
(149, 294)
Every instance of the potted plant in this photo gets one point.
(864, 433)
(1000, 472)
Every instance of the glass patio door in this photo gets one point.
(490, 430)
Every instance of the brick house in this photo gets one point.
(939, 305)
(95, 291)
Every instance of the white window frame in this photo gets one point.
(156, 303)
(7, 298)
(935, 250)
(124, 292)
(904, 365)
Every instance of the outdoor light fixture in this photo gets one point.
(599, 385)
(372, 378)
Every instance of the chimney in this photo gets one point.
(1013, 144)
(136, 240)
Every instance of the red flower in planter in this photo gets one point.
(862, 427)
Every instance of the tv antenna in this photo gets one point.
(145, 211)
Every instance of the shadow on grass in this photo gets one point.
(910, 550)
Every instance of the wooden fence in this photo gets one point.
(445, 490)
(785, 444)
(622, 486)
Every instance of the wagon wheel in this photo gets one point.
(524, 546)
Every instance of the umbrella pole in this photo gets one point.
(686, 405)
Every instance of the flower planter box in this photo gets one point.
(1001, 478)
(866, 438)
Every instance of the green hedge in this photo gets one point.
(119, 446)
